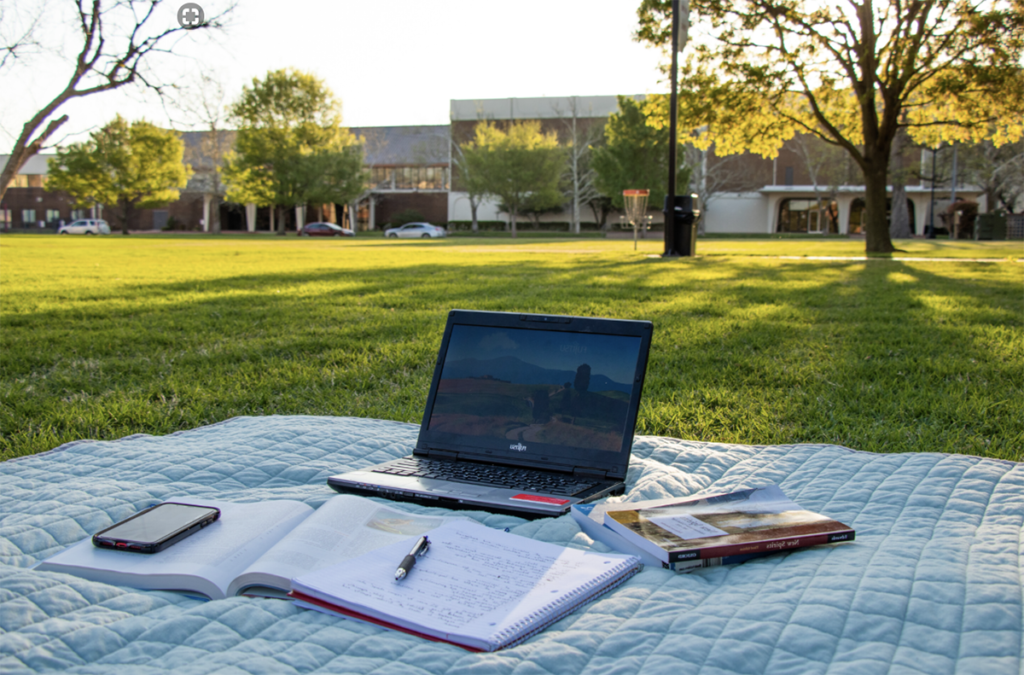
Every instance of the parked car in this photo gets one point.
(85, 226)
(325, 230)
(416, 231)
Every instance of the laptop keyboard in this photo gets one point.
(483, 474)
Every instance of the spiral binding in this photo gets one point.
(557, 610)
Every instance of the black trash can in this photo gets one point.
(681, 225)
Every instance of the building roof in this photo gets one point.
(36, 165)
(535, 108)
(423, 145)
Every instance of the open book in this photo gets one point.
(253, 549)
(476, 587)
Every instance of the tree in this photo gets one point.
(580, 177)
(711, 175)
(470, 182)
(136, 166)
(520, 166)
(847, 72)
(998, 170)
(117, 40)
(635, 156)
(205, 103)
(290, 147)
(825, 169)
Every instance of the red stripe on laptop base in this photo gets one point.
(539, 498)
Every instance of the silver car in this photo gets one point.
(416, 231)
(85, 226)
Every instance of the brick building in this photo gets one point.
(411, 175)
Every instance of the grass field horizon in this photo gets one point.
(755, 341)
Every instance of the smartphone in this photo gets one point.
(156, 528)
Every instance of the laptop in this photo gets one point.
(527, 414)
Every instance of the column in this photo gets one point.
(773, 207)
(844, 203)
(206, 212)
(373, 213)
(250, 217)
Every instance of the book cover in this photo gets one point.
(746, 522)
(590, 518)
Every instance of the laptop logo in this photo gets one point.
(518, 446)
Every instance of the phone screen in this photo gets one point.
(158, 524)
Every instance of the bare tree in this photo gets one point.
(207, 105)
(581, 134)
(116, 42)
(18, 34)
(999, 171)
(711, 176)
(823, 163)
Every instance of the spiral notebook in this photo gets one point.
(476, 587)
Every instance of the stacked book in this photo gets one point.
(722, 529)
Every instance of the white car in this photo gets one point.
(416, 231)
(85, 226)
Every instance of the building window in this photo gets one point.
(52, 215)
(801, 215)
(79, 214)
(789, 175)
(28, 217)
(857, 215)
(5, 218)
(380, 177)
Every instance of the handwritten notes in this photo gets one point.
(474, 581)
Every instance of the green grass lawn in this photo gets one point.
(108, 336)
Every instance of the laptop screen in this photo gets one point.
(518, 386)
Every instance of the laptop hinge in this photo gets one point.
(434, 453)
(590, 472)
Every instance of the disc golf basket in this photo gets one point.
(636, 209)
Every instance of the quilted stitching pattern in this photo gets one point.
(932, 585)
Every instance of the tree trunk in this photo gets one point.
(280, 221)
(127, 208)
(473, 206)
(512, 222)
(875, 223)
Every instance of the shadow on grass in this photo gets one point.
(885, 357)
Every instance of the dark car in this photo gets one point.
(325, 230)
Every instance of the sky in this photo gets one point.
(391, 63)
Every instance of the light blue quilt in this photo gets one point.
(932, 584)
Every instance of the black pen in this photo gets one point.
(422, 544)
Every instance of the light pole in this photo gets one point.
(671, 246)
(931, 210)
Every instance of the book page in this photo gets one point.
(216, 554)
(472, 585)
(343, 527)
